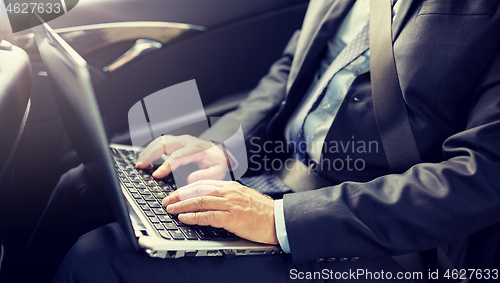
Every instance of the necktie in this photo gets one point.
(268, 183)
(351, 52)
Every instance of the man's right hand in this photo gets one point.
(230, 205)
(211, 159)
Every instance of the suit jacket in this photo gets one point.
(448, 62)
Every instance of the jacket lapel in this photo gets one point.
(400, 18)
(322, 19)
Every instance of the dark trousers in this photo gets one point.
(104, 255)
(74, 208)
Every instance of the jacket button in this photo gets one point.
(320, 260)
(331, 259)
(283, 103)
(356, 258)
(342, 259)
(355, 98)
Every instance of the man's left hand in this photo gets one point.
(229, 205)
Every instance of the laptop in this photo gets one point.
(134, 196)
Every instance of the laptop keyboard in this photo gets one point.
(149, 193)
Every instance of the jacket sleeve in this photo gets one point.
(429, 205)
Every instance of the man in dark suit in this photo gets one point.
(448, 64)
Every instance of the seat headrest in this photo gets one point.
(5, 29)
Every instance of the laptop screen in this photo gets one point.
(80, 114)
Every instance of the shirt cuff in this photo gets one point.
(279, 220)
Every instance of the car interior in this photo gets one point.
(133, 49)
(15, 86)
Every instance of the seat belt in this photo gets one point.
(392, 119)
(397, 137)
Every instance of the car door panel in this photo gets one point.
(224, 61)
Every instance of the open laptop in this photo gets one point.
(133, 195)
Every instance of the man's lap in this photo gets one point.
(105, 255)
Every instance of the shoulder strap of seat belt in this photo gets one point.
(393, 123)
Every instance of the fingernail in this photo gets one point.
(157, 173)
(165, 201)
(138, 164)
(170, 208)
